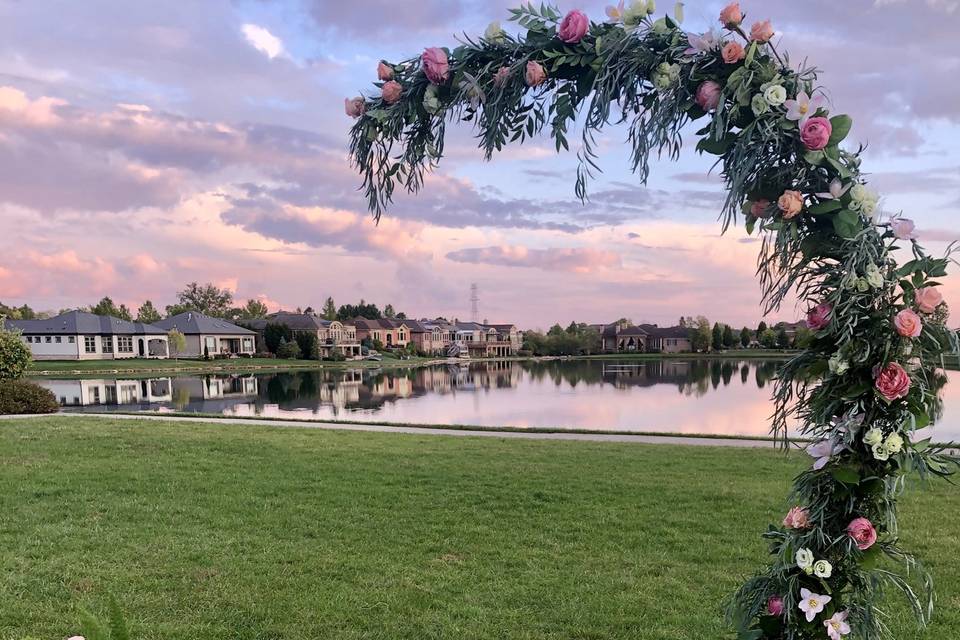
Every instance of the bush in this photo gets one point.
(21, 396)
(307, 341)
(14, 354)
(265, 354)
(288, 350)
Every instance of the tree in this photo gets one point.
(728, 339)
(783, 340)
(388, 311)
(308, 343)
(288, 350)
(716, 337)
(768, 339)
(803, 337)
(177, 341)
(329, 309)
(106, 307)
(15, 355)
(700, 335)
(253, 309)
(274, 334)
(23, 312)
(362, 310)
(147, 313)
(761, 328)
(745, 337)
(683, 323)
(207, 299)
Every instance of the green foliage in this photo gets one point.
(177, 342)
(329, 310)
(360, 310)
(106, 307)
(716, 337)
(15, 356)
(288, 350)
(147, 313)
(700, 335)
(113, 628)
(208, 299)
(308, 343)
(745, 337)
(274, 333)
(22, 397)
(728, 339)
(576, 339)
(23, 312)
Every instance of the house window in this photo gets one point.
(29, 340)
(49, 340)
(89, 344)
(71, 340)
(59, 339)
(248, 344)
(125, 344)
(106, 344)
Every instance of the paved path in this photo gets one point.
(431, 431)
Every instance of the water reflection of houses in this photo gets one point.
(100, 392)
(647, 374)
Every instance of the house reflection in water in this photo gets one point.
(98, 392)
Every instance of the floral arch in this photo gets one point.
(870, 376)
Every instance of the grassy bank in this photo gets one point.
(211, 532)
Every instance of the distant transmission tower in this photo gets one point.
(474, 303)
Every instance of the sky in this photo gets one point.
(145, 145)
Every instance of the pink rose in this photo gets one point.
(536, 75)
(761, 31)
(708, 95)
(760, 208)
(573, 27)
(391, 92)
(815, 133)
(354, 107)
(928, 299)
(731, 16)
(775, 606)
(908, 323)
(501, 76)
(863, 533)
(893, 382)
(903, 228)
(819, 317)
(384, 72)
(797, 518)
(732, 52)
(435, 65)
(790, 203)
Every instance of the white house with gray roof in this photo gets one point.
(77, 335)
(207, 336)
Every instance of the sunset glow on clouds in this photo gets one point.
(166, 144)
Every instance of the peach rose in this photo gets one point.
(354, 107)
(928, 299)
(731, 16)
(908, 323)
(708, 95)
(797, 518)
(892, 382)
(761, 31)
(733, 52)
(790, 203)
(760, 208)
(435, 65)
(391, 92)
(384, 72)
(536, 75)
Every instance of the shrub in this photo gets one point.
(21, 396)
(265, 354)
(288, 350)
(307, 341)
(274, 334)
(337, 356)
(14, 354)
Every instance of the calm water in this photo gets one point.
(690, 396)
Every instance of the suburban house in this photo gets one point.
(389, 332)
(486, 341)
(621, 337)
(77, 335)
(210, 337)
(332, 335)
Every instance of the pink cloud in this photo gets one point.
(580, 260)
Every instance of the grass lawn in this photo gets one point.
(250, 532)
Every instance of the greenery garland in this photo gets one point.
(871, 375)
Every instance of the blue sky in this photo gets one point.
(146, 145)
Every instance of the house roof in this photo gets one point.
(81, 322)
(381, 323)
(670, 332)
(192, 323)
(296, 321)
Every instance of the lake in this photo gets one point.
(718, 396)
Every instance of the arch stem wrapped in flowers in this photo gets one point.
(869, 378)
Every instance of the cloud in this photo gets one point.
(262, 40)
(580, 260)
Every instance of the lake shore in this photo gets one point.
(141, 367)
(337, 534)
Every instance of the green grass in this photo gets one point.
(250, 532)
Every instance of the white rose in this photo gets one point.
(894, 443)
(872, 437)
(775, 95)
(494, 32)
(874, 277)
(880, 452)
(634, 13)
(838, 365)
(804, 559)
(822, 569)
